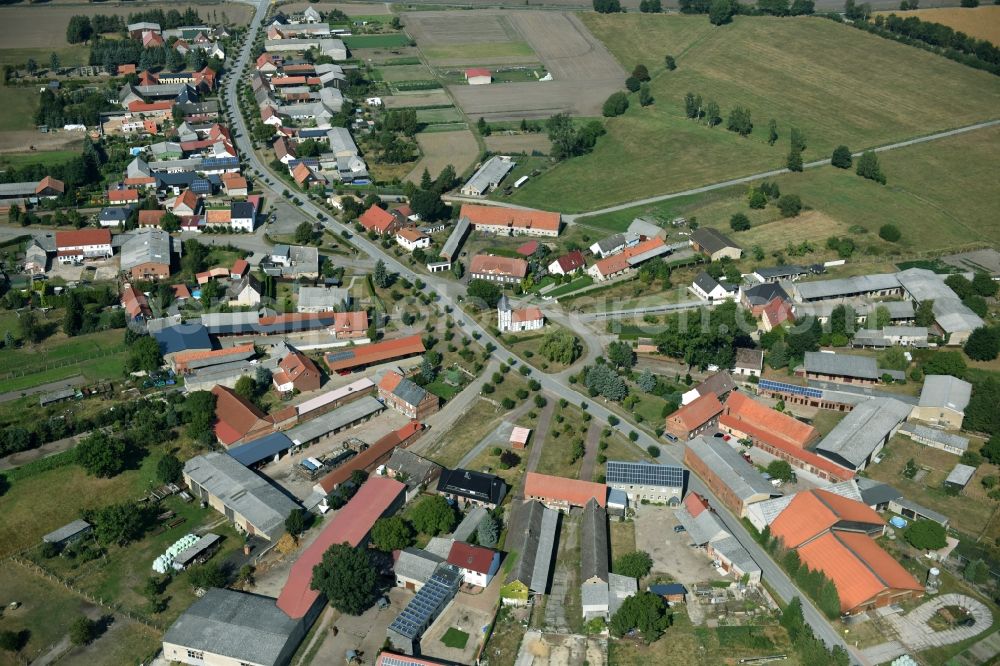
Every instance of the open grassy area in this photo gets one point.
(48, 157)
(434, 116)
(619, 448)
(622, 538)
(809, 73)
(69, 56)
(970, 511)
(19, 106)
(455, 638)
(96, 356)
(557, 452)
(939, 195)
(376, 41)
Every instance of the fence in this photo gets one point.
(37, 368)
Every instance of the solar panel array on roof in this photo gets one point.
(645, 474)
(339, 356)
(428, 602)
(769, 385)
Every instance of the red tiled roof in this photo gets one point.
(526, 314)
(477, 71)
(805, 455)
(234, 181)
(350, 525)
(619, 262)
(374, 353)
(484, 264)
(746, 414)
(376, 219)
(182, 359)
(517, 218)
(301, 173)
(240, 266)
(858, 567)
(697, 412)
(233, 415)
(350, 322)
(140, 180)
(65, 239)
(473, 558)
(151, 218)
(411, 234)
(572, 261)
(134, 302)
(370, 456)
(695, 504)
(140, 107)
(123, 196)
(557, 488)
(181, 291)
(777, 311)
(288, 81)
(812, 512)
(186, 198)
(50, 183)
(294, 365)
(527, 249)
(390, 381)
(126, 69)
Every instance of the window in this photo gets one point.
(195, 654)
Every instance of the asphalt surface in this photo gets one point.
(449, 294)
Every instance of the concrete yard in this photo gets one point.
(471, 612)
(671, 551)
(538, 649)
(364, 633)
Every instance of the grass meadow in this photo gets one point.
(809, 73)
(18, 105)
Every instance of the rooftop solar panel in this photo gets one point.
(809, 392)
(339, 356)
(644, 474)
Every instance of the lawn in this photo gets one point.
(69, 56)
(556, 457)
(19, 106)
(622, 538)
(576, 283)
(619, 448)
(46, 158)
(757, 63)
(406, 73)
(375, 41)
(455, 638)
(434, 116)
(939, 194)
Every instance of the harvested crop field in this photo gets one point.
(584, 72)
(23, 141)
(417, 100)
(469, 38)
(440, 149)
(351, 9)
(979, 22)
(32, 26)
(519, 143)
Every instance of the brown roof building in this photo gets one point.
(560, 493)
(236, 420)
(512, 221)
(498, 269)
(694, 418)
(406, 397)
(296, 372)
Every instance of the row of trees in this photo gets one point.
(772, 7)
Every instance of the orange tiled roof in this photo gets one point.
(526, 314)
(411, 234)
(150, 218)
(350, 321)
(619, 262)
(376, 219)
(812, 512)
(122, 196)
(390, 381)
(186, 198)
(858, 567)
(559, 489)
(485, 264)
(374, 353)
(771, 424)
(218, 216)
(234, 416)
(697, 412)
(82, 237)
(515, 218)
(186, 357)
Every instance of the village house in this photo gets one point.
(145, 255)
(406, 397)
(477, 564)
(708, 288)
(472, 488)
(731, 478)
(943, 400)
(511, 221)
(642, 481)
(380, 221)
(296, 372)
(568, 264)
(561, 494)
(83, 244)
(749, 362)
(488, 176)
(694, 418)
(714, 244)
(497, 269)
(409, 238)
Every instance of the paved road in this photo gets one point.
(449, 294)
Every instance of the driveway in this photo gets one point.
(364, 633)
(671, 551)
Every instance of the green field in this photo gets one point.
(432, 116)
(810, 73)
(480, 53)
(95, 355)
(69, 56)
(940, 194)
(19, 106)
(14, 160)
(406, 73)
(376, 41)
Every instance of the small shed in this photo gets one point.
(617, 501)
(519, 437)
(68, 533)
(478, 76)
(960, 476)
(672, 592)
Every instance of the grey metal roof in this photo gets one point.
(874, 492)
(772, 272)
(922, 284)
(469, 524)
(416, 564)
(609, 244)
(712, 239)
(146, 246)
(18, 189)
(329, 298)
(183, 558)
(489, 174)
(953, 316)
(864, 428)
(409, 392)
(762, 294)
(620, 588)
(67, 531)
(734, 551)
(242, 490)
(617, 497)
(738, 475)
(843, 287)
(418, 470)
(845, 365)
(450, 248)
(945, 391)
(720, 384)
(594, 542)
(922, 510)
(644, 227)
(637, 259)
(244, 627)
(705, 528)
(644, 474)
(933, 434)
(961, 475)
(594, 594)
(338, 418)
(341, 141)
(266, 447)
(535, 558)
(906, 331)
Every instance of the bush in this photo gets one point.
(790, 205)
(653, 450)
(739, 222)
(633, 84)
(83, 631)
(634, 565)
(615, 105)
(925, 535)
(889, 232)
(842, 157)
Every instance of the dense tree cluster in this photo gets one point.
(686, 337)
(604, 381)
(951, 43)
(615, 105)
(569, 140)
(811, 650)
(868, 167)
(644, 612)
(607, 6)
(739, 121)
(560, 346)
(347, 577)
(634, 565)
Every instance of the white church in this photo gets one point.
(521, 319)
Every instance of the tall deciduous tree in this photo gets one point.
(841, 157)
(347, 577)
(433, 515)
(101, 455)
(868, 167)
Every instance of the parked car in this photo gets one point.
(679, 528)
